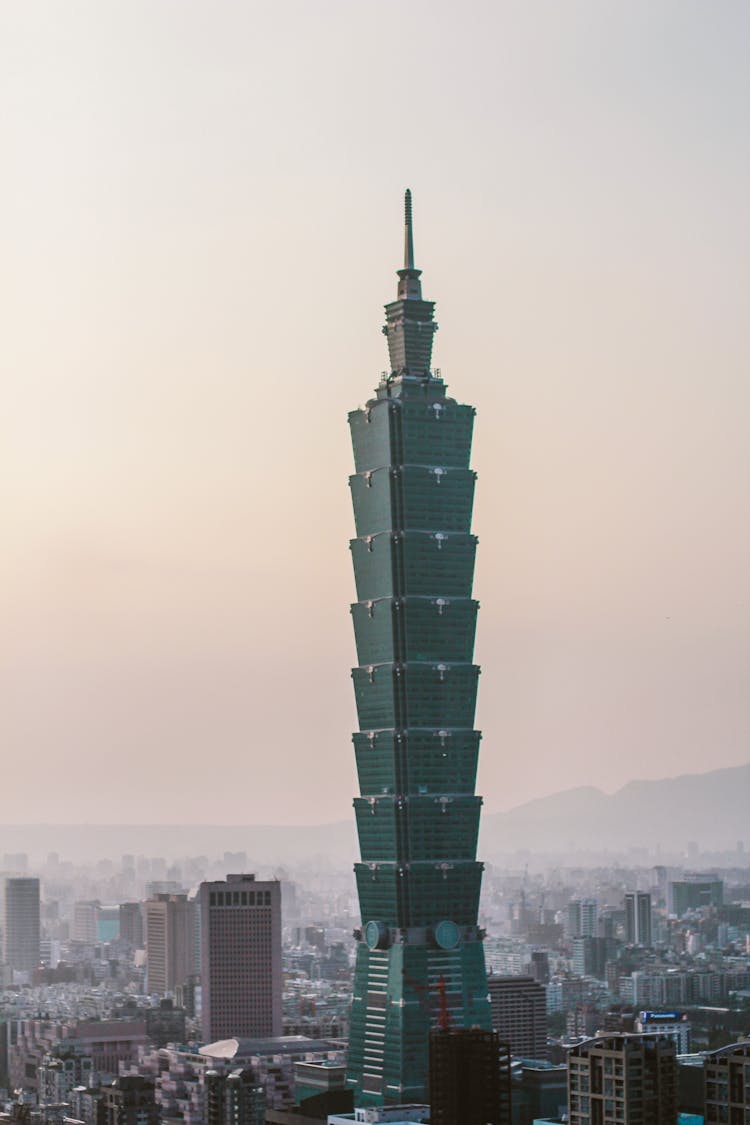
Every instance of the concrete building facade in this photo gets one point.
(727, 1085)
(131, 924)
(694, 891)
(469, 1077)
(674, 1025)
(582, 918)
(638, 918)
(519, 1014)
(170, 944)
(84, 922)
(21, 928)
(240, 928)
(130, 1100)
(618, 1079)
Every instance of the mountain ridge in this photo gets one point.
(665, 812)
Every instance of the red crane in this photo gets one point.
(444, 1016)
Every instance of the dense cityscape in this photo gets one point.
(105, 1015)
(433, 987)
(374, 699)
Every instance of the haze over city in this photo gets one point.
(201, 211)
(263, 859)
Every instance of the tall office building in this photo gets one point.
(469, 1077)
(660, 881)
(590, 957)
(131, 923)
(539, 966)
(170, 942)
(84, 921)
(519, 1014)
(616, 1079)
(727, 1085)
(21, 930)
(694, 891)
(582, 918)
(589, 917)
(415, 687)
(638, 918)
(240, 927)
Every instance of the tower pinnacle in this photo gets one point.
(409, 285)
(408, 233)
(409, 325)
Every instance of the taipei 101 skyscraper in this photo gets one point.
(420, 957)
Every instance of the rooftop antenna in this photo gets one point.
(408, 233)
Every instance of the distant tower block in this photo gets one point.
(638, 918)
(170, 941)
(240, 928)
(21, 927)
(415, 687)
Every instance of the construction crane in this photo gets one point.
(444, 1016)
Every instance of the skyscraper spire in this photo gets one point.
(408, 233)
(409, 319)
(420, 955)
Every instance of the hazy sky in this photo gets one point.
(200, 207)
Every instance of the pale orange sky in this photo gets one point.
(200, 208)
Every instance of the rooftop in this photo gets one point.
(282, 1045)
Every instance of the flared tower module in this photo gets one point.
(420, 957)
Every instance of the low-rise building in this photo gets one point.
(727, 1085)
(675, 1025)
(622, 1078)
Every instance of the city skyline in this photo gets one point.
(171, 476)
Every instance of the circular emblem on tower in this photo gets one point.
(447, 934)
(376, 935)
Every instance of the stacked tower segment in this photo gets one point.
(420, 955)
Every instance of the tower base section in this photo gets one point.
(400, 993)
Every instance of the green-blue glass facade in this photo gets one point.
(415, 687)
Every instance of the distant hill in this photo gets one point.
(711, 808)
